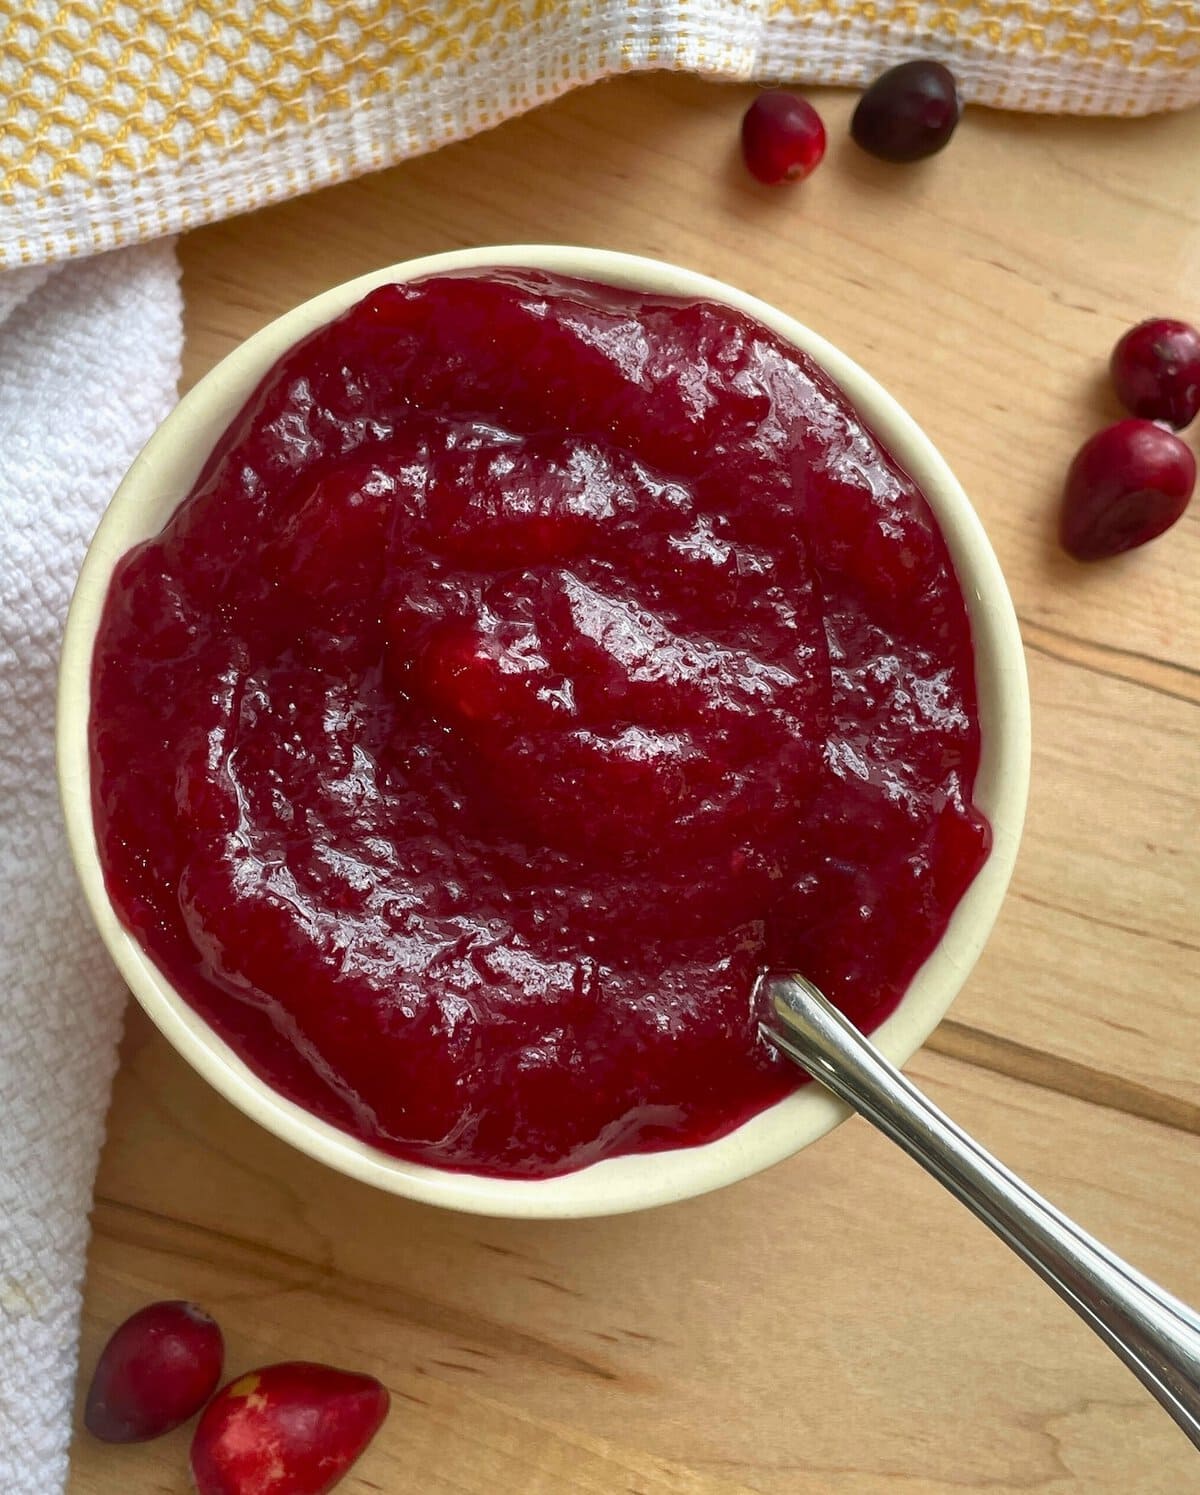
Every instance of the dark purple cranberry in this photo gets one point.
(1127, 484)
(783, 139)
(158, 1369)
(1156, 371)
(908, 113)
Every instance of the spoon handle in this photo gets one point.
(1156, 1335)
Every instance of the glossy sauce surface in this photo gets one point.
(532, 663)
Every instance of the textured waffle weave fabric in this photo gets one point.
(130, 119)
(100, 340)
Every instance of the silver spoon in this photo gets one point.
(1156, 1335)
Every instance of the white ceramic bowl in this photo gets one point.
(163, 474)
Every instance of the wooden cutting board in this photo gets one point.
(837, 1325)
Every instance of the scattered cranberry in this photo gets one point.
(783, 139)
(157, 1370)
(290, 1429)
(1127, 484)
(908, 113)
(1156, 371)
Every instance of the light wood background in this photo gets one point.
(836, 1325)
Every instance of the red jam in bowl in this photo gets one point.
(532, 663)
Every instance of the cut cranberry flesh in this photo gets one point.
(908, 113)
(783, 138)
(1156, 371)
(1127, 484)
(157, 1370)
(532, 663)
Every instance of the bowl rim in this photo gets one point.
(162, 475)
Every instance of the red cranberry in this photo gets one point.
(1127, 484)
(290, 1429)
(908, 113)
(157, 1370)
(1156, 371)
(783, 139)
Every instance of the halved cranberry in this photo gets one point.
(783, 139)
(908, 113)
(158, 1369)
(289, 1429)
(1129, 483)
(1156, 371)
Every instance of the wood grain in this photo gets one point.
(836, 1325)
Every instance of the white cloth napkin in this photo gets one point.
(113, 134)
(89, 359)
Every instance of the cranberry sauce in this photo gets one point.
(532, 663)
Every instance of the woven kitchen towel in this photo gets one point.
(89, 357)
(127, 119)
